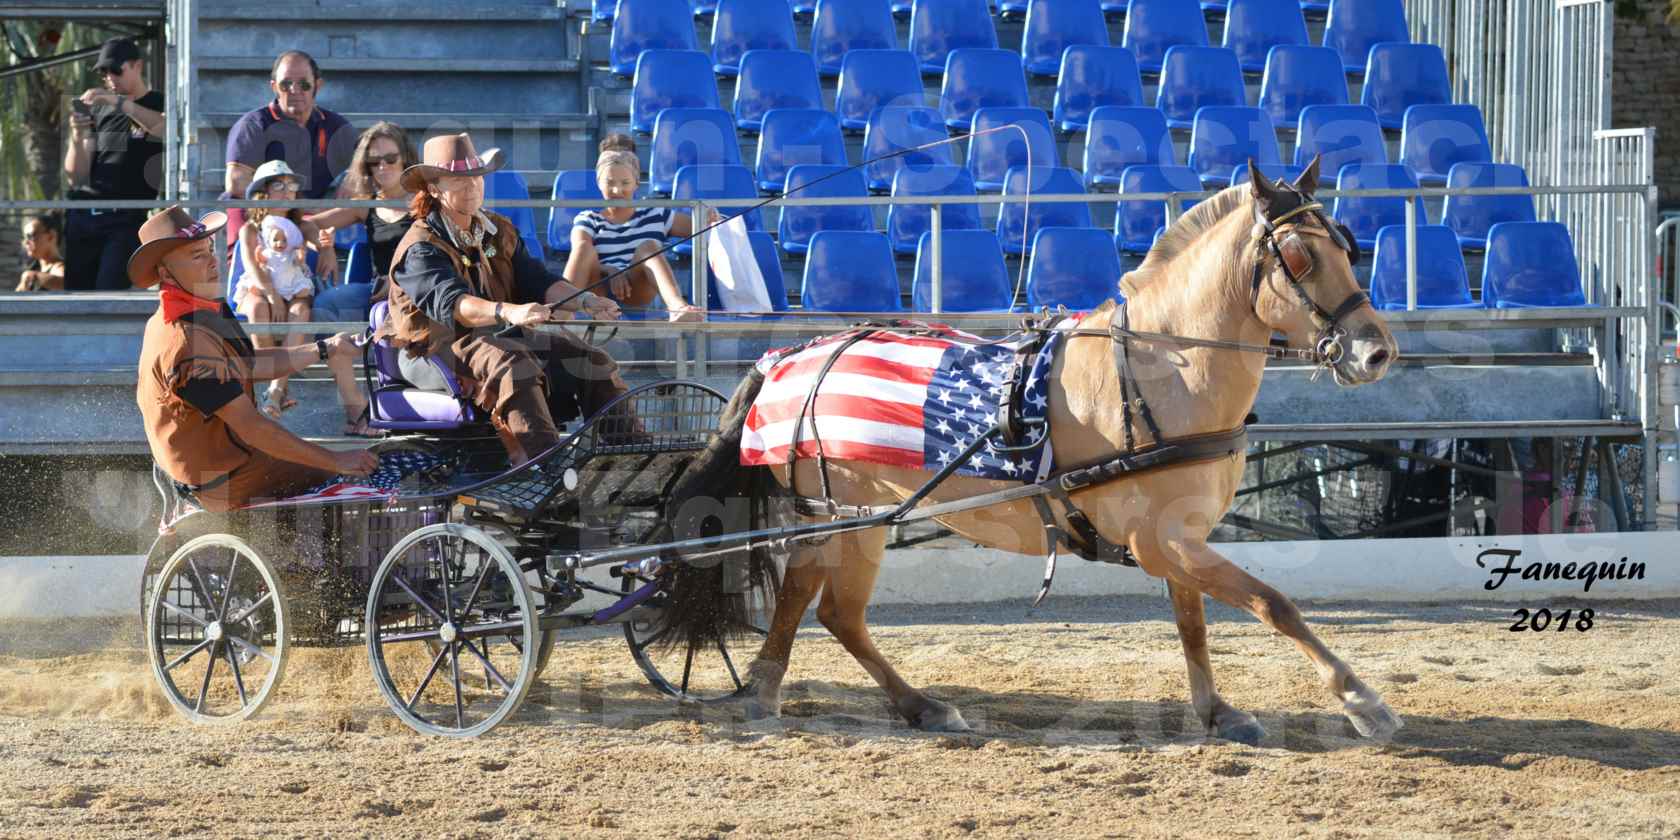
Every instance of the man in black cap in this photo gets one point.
(115, 153)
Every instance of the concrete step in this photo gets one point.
(450, 12)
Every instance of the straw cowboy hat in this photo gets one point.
(165, 232)
(268, 172)
(451, 154)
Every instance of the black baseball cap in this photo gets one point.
(113, 54)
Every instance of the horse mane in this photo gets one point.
(1184, 233)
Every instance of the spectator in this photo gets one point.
(115, 153)
(375, 172)
(46, 265)
(264, 295)
(607, 242)
(313, 141)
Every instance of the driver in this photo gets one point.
(462, 273)
(197, 367)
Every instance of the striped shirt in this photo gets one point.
(616, 243)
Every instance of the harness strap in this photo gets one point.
(805, 411)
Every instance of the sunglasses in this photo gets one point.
(391, 159)
(299, 85)
(279, 185)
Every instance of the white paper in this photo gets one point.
(740, 283)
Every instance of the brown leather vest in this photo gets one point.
(406, 327)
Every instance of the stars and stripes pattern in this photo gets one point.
(381, 484)
(907, 399)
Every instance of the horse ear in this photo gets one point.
(1262, 189)
(1308, 182)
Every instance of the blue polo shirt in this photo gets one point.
(317, 152)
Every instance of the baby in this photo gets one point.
(283, 255)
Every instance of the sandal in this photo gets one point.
(358, 427)
(278, 402)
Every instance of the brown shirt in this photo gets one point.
(189, 369)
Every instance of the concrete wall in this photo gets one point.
(1377, 570)
(1647, 67)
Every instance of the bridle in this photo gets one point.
(1280, 235)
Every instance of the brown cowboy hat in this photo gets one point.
(451, 154)
(165, 232)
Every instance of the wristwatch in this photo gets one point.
(499, 313)
(321, 348)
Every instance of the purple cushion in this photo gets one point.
(407, 408)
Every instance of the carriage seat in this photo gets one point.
(394, 403)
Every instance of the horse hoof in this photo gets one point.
(1245, 730)
(935, 716)
(756, 709)
(1370, 716)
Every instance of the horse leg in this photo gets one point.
(1218, 717)
(800, 584)
(1196, 565)
(845, 601)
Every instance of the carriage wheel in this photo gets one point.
(216, 629)
(448, 612)
(710, 674)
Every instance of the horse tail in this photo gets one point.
(714, 598)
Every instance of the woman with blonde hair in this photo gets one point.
(605, 242)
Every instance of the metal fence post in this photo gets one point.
(1411, 253)
(698, 295)
(936, 232)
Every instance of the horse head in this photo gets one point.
(1303, 282)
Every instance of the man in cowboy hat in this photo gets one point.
(197, 367)
(460, 275)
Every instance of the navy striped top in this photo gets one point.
(616, 243)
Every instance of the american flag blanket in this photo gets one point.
(381, 484)
(912, 397)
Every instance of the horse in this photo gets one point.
(1251, 261)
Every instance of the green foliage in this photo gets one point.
(33, 106)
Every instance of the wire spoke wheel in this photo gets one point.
(448, 617)
(705, 674)
(216, 626)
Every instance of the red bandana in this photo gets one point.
(178, 303)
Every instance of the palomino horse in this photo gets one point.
(1236, 268)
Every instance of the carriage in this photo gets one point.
(448, 571)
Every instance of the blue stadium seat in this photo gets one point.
(347, 236)
(687, 136)
(1125, 136)
(841, 26)
(980, 78)
(1315, 9)
(1442, 282)
(742, 25)
(1339, 135)
(804, 8)
(939, 26)
(705, 8)
(358, 266)
(1135, 221)
(1196, 77)
(1298, 76)
(1530, 264)
(769, 264)
(1434, 137)
(1225, 136)
(1114, 7)
(569, 184)
(901, 8)
(670, 79)
(798, 223)
(1470, 216)
(1365, 215)
(774, 79)
(603, 10)
(1073, 267)
(1092, 77)
(871, 79)
(1254, 27)
(1287, 171)
(508, 184)
(1054, 25)
(907, 222)
(1154, 26)
(850, 271)
(718, 181)
(990, 157)
(792, 136)
(1354, 25)
(895, 129)
(1398, 76)
(974, 277)
(1011, 9)
(641, 25)
(1017, 223)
